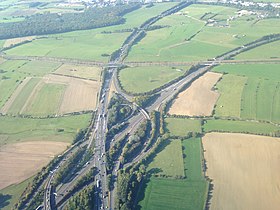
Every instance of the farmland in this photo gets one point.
(16, 41)
(199, 99)
(181, 126)
(236, 126)
(260, 95)
(13, 73)
(46, 101)
(193, 159)
(133, 20)
(64, 129)
(38, 68)
(51, 95)
(169, 161)
(18, 99)
(189, 193)
(193, 148)
(189, 34)
(272, 50)
(243, 162)
(13, 193)
(256, 71)
(230, 87)
(8, 80)
(20, 161)
(75, 44)
(81, 71)
(173, 194)
(144, 79)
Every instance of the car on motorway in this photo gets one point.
(98, 183)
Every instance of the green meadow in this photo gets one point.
(237, 126)
(229, 103)
(47, 100)
(260, 93)
(169, 161)
(182, 126)
(190, 38)
(189, 193)
(144, 79)
(14, 129)
(272, 50)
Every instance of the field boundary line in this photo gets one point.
(14, 95)
(32, 96)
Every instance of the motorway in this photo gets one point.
(99, 129)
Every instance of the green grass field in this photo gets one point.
(87, 72)
(76, 44)
(144, 79)
(188, 194)
(260, 95)
(21, 99)
(256, 71)
(272, 50)
(73, 45)
(165, 194)
(169, 161)
(133, 20)
(38, 68)
(14, 129)
(193, 159)
(260, 100)
(47, 100)
(172, 44)
(13, 192)
(239, 126)
(230, 88)
(10, 78)
(181, 126)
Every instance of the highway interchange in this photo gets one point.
(57, 198)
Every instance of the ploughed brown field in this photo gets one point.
(245, 171)
(199, 99)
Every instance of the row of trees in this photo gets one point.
(118, 110)
(155, 125)
(50, 23)
(114, 152)
(83, 200)
(70, 167)
(136, 141)
(128, 185)
(82, 182)
(273, 11)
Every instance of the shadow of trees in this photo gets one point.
(4, 200)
